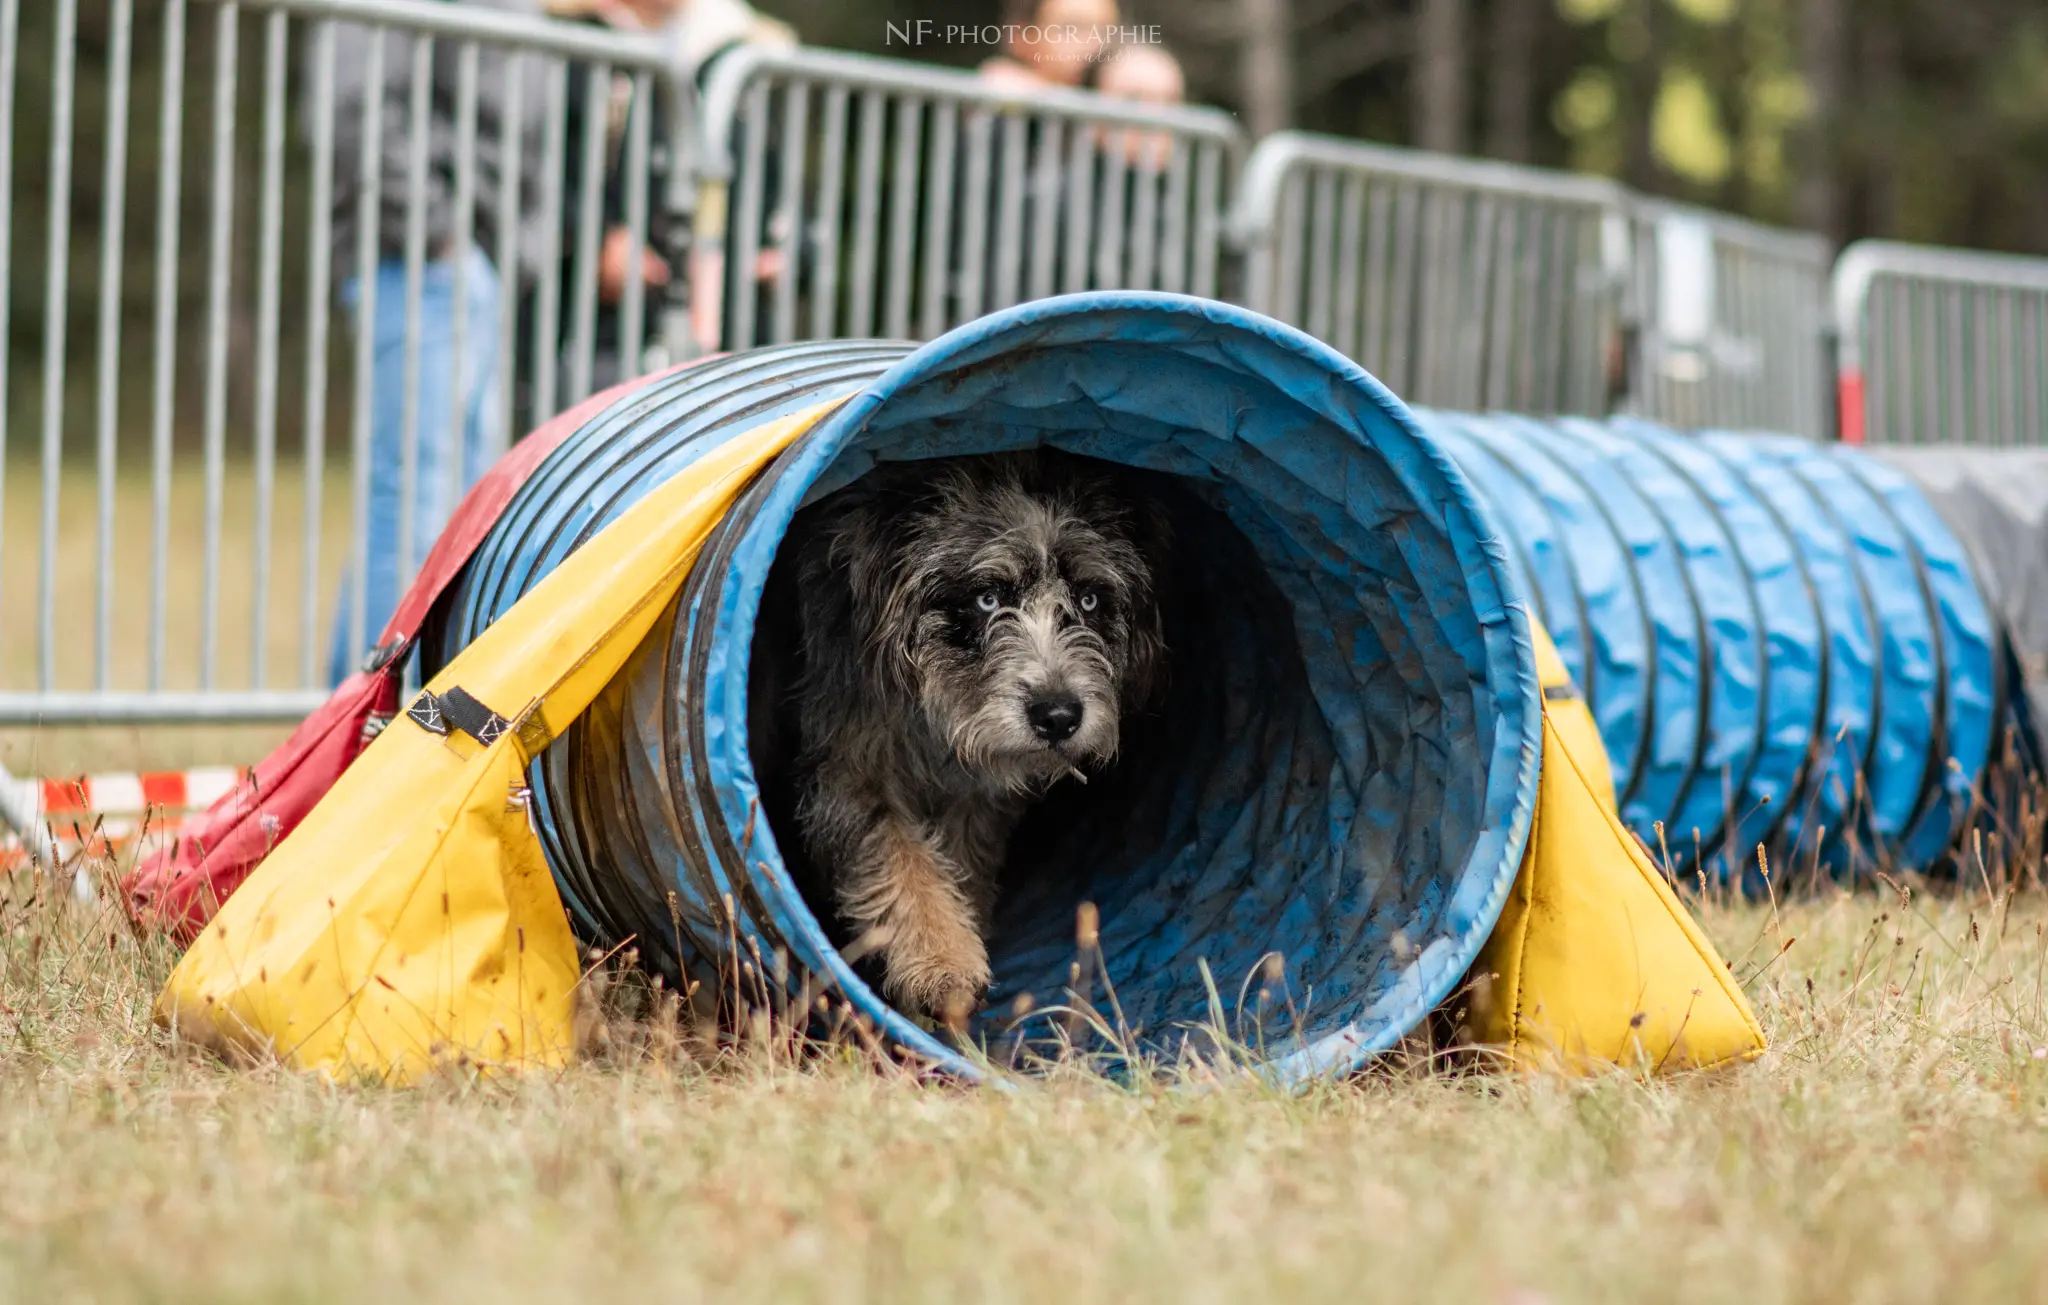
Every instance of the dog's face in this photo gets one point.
(1013, 599)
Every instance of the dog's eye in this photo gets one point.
(1089, 602)
(987, 601)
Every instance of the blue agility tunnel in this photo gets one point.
(1782, 642)
(1344, 769)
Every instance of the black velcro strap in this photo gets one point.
(457, 710)
(465, 713)
(1566, 692)
(425, 712)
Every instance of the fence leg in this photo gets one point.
(20, 812)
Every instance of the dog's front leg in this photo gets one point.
(911, 895)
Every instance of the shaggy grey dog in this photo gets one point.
(974, 631)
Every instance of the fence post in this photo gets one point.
(1850, 289)
(1623, 360)
(676, 301)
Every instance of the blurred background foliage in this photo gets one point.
(1923, 120)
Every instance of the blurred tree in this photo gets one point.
(1441, 76)
(1329, 65)
(1266, 28)
(1511, 79)
(1824, 63)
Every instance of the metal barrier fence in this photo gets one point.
(1732, 322)
(1460, 284)
(189, 565)
(847, 196)
(1941, 346)
(206, 585)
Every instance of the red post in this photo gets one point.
(1849, 400)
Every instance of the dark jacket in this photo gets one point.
(613, 183)
(352, 94)
(661, 160)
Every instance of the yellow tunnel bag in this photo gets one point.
(1595, 962)
(412, 922)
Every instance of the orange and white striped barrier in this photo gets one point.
(108, 813)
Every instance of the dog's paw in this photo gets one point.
(942, 972)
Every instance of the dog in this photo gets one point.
(974, 631)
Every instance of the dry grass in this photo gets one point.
(1888, 1148)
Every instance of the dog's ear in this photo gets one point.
(865, 556)
(824, 604)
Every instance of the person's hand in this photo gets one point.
(612, 265)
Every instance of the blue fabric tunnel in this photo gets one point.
(1344, 770)
(1782, 642)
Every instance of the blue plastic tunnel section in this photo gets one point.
(1343, 773)
(1782, 643)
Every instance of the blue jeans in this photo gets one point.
(442, 472)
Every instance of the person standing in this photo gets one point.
(695, 33)
(435, 401)
(1150, 75)
(1052, 44)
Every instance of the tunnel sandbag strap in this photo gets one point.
(596, 475)
(457, 709)
(411, 922)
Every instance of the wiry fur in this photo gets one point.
(918, 747)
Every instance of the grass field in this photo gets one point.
(1889, 1148)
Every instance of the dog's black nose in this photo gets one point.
(1054, 719)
